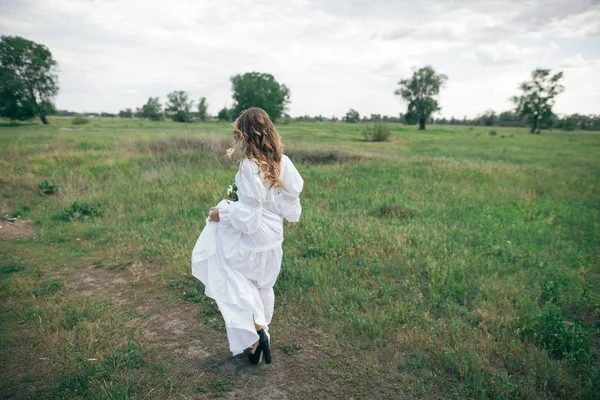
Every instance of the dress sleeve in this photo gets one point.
(288, 199)
(245, 214)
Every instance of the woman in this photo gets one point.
(238, 254)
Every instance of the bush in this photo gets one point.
(80, 120)
(493, 133)
(21, 211)
(46, 188)
(378, 132)
(562, 339)
(82, 211)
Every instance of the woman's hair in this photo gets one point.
(260, 141)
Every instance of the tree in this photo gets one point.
(126, 113)
(418, 91)
(202, 108)
(537, 97)
(254, 89)
(352, 116)
(224, 114)
(152, 110)
(488, 118)
(28, 80)
(509, 118)
(178, 106)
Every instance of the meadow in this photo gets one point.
(453, 263)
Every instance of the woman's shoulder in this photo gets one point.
(248, 165)
(285, 160)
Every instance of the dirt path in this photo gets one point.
(199, 350)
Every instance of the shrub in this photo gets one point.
(377, 132)
(493, 133)
(20, 211)
(46, 188)
(82, 211)
(80, 120)
(562, 339)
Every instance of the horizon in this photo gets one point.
(333, 56)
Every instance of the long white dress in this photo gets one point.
(239, 258)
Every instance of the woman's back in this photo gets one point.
(283, 201)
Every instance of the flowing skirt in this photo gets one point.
(239, 271)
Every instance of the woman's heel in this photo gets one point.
(264, 346)
(255, 357)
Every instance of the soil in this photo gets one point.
(202, 351)
(15, 230)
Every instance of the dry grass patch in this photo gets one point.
(208, 144)
(319, 157)
(17, 229)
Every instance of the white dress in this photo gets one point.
(238, 258)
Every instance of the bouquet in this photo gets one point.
(232, 192)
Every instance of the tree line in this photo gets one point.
(29, 84)
(249, 89)
(488, 118)
(512, 119)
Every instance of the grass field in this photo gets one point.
(444, 264)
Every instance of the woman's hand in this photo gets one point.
(213, 215)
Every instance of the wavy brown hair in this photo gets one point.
(260, 143)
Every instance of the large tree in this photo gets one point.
(179, 106)
(202, 109)
(537, 98)
(224, 114)
(352, 116)
(254, 89)
(28, 80)
(152, 110)
(126, 113)
(419, 91)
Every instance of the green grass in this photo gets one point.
(448, 263)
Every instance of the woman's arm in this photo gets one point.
(289, 198)
(246, 214)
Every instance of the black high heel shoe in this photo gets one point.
(263, 343)
(262, 350)
(256, 357)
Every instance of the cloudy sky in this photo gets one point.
(332, 54)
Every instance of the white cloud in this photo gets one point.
(501, 53)
(332, 54)
(579, 62)
(582, 24)
(581, 80)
